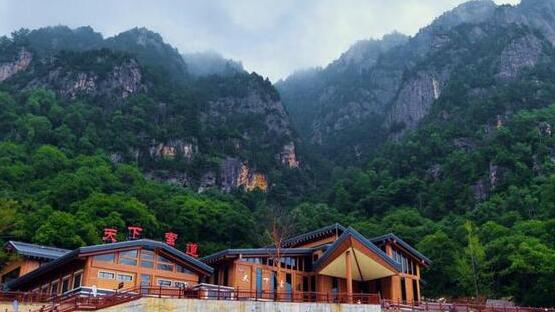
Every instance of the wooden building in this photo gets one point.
(104, 268)
(331, 260)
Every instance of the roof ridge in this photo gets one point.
(353, 232)
(37, 245)
(336, 226)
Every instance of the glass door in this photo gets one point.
(146, 281)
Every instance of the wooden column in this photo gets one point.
(349, 276)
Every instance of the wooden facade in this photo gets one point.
(332, 260)
(109, 267)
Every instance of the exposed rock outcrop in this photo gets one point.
(226, 110)
(236, 174)
(522, 53)
(120, 82)
(415, 98)
(481, 190)
(288, 156)
(207, 181)
(7, 70)
(174, 148)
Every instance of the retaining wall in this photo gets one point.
(194, 305)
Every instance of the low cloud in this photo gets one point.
(273, 38)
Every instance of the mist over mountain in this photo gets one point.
(211, 63)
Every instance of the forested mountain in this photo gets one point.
(213, 125)
(444, 138)
(380, 89)
(452, 131)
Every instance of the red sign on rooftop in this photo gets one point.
(110, 235)
(170, 238)
(192, 250)
(134, 232)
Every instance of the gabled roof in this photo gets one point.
(350, 232)
(35, 251)
(234, 253)
(330, 229)
(74, 254)
(402, 243)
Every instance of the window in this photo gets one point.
(147, 264)
(128, 254)
(181, 284)
(125, 277)
(54, 288)
(147, 255)
(164, 283)
(181, 269)
(106, 275)
(226, 277)
(65, 284)
(164, 259)
(111, 257)
(128, 257)
(77, 280)
(145, 279)
(165, 267)
(403, 289)
(127, 261)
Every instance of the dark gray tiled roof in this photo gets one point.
(36, 251)
(403, 244)
(234, 253)
(338, 228)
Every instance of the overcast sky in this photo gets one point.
(273, 38)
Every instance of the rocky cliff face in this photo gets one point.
(120, 82)
(21, 63)
(288, 157)
(522, 53)
(173, 149)
(415, 99)
(236, 174)
(382, 93)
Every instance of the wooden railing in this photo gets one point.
(226, 293)
(455, 307)
(87, 302)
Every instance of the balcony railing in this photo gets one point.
(227, 293)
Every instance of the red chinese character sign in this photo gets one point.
(110, 235)
(170, 238)
(192, 249)
(134, 232)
